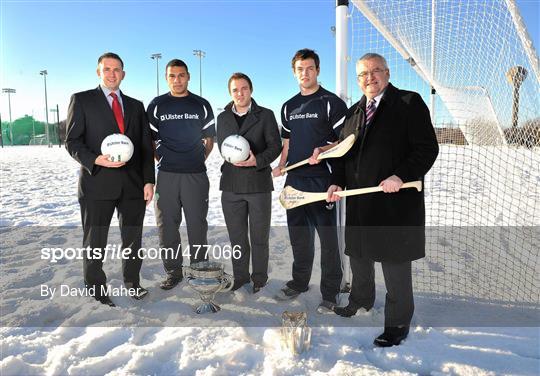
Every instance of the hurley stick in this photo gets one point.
(292, 198)
(337, 151)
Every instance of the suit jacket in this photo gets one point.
(90, 119)
(399, 141)
(260, 129)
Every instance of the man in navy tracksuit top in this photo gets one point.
(183, 129)
(311, 119)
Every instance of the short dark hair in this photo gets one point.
(177, 63)
(110, 55)
(240, 76)
(305, 54)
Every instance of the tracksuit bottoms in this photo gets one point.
(177, 192)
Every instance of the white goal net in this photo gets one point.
(474, 65)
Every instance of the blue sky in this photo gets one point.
(254, 37)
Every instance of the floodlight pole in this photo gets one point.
(515, 76)
(57, 124)
(200, 54)
(156, 57)
(9, 91)
(44, 74)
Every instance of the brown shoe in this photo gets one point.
(170, 282)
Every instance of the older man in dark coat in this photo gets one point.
(396, 143)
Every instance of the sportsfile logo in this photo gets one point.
(111, 251)
(184, 116)
(115, 251)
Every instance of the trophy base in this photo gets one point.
(208, 308)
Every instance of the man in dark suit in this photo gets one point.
(395, 143)
(104, 185)
(247, 185)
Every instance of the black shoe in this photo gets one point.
(170, 282)
(346, 289)
(136, 291)
(326, 306)
(257, 287)
(105, 300)
(237, 284)
(286, 293)
(392, 336)
(347, 311)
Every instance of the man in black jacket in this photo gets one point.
(104, 185)
(395, 143)
(247, 185)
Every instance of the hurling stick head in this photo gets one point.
(291, 198)
(416, 184)
(340, 149)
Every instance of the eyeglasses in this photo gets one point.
(374, 72)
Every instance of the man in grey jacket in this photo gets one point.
(247, 185)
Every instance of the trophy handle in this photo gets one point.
(227, 282)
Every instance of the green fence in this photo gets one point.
(28, 131)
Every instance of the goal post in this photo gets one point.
(475, 66)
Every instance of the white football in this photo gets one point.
(118, 146)
(235, 148)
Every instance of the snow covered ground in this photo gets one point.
(162, 335)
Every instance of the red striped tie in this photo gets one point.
(117, 110)
(370, 111)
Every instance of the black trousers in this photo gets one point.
(96, 218)
(247, 216)
(399, 304)
(303, 221)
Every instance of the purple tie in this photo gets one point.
(370, 111)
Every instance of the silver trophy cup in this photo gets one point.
(207, 278)
(295, 334)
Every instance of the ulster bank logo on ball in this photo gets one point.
(118, 146)
(235, 148)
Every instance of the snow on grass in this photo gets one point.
(162, 335)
